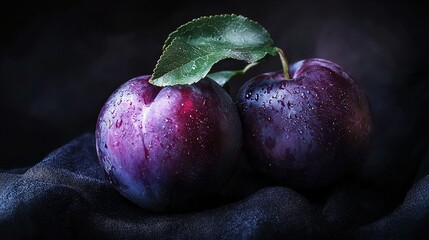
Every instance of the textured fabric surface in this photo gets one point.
(67, 196)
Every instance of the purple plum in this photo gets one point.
(163, 148)
(308, 131)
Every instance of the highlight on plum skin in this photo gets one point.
(308, 131)
(164, 147)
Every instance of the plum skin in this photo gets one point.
(164, 147)
(309, 131)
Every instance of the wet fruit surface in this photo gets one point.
(307, 131)
(163, 147)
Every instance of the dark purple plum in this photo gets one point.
(165, 147)
(307, 131)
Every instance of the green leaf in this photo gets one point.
(191, 51)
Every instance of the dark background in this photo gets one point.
(60, 61)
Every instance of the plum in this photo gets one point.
(164, 147)
(307, 131)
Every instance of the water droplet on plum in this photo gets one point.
(118, 123)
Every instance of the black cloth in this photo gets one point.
(67, 196)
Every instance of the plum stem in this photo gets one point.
(248, 66)
(285, 64)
